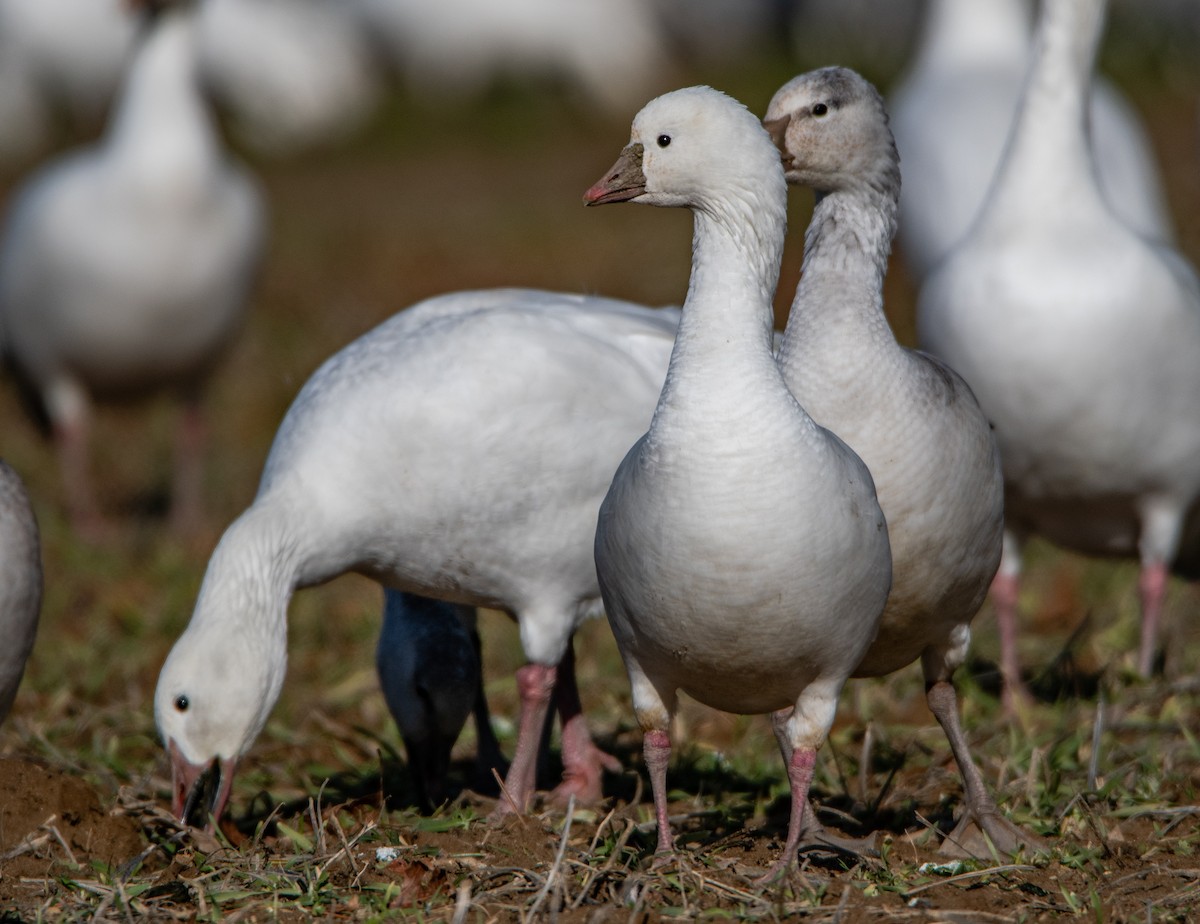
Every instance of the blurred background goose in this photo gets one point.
(609, 52)
(293, 74)
(125, 267)
(74, 52)
(1079, 335)
(952, 113)
(741, 553)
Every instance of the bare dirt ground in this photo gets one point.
(1106, 768)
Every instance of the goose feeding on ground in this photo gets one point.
(911, 419)
(431, 673)
(125, 267)
(20, 583)
(460, 450)
(741, 553)
(1080, 338)
(952, 112)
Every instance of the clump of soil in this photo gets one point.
(52, 823)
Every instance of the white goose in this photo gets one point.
(20, 583)
(292, 73)
(431, 673)
(75, 51)
(952, 112)
(1079, 336)
(911, 419)
(611, 51)
(460, 450)
(125, 267)
(741, 553)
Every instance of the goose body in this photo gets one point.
(741, 553)
(125, 267)
(74, 51)
(20, 583)
(431, 673)
(952, 113)
(460, 451)
(610, 51)
(293, 73)
(1079, 337)
(911, 419)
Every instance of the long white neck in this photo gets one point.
(737, 246)
(251, 576)
(161, 132)
(1049, 157)
(974, 32)
(846, 251)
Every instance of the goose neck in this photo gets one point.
(839, 298)
(737, 247)
(253, 572)
(850, 233)
(1050, 136)
(161, 131)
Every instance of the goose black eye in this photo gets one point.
(181, 703)
(664, 140)
(820, 109)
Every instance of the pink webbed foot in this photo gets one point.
(583, 763)
(981, 832)
(583, 770)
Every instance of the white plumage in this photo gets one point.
(952, 113)
(1080, 338)
(611, 51)
(741, 553)
(911, 419)
(293, 73)
(125, 266)
(460, 450)
(74, 51)
(20, 583)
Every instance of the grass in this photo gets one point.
(1109, 771)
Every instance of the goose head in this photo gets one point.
(832, 132)
(691, 148)
(213, 697)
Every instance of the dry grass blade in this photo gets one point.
(462, 902)
(552, 876)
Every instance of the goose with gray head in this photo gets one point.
(1079, 336)
(952, 112)
(460, 451)
(20, 583)
(125, 267)
(430, 669)
(911, 419)
(741, 553)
